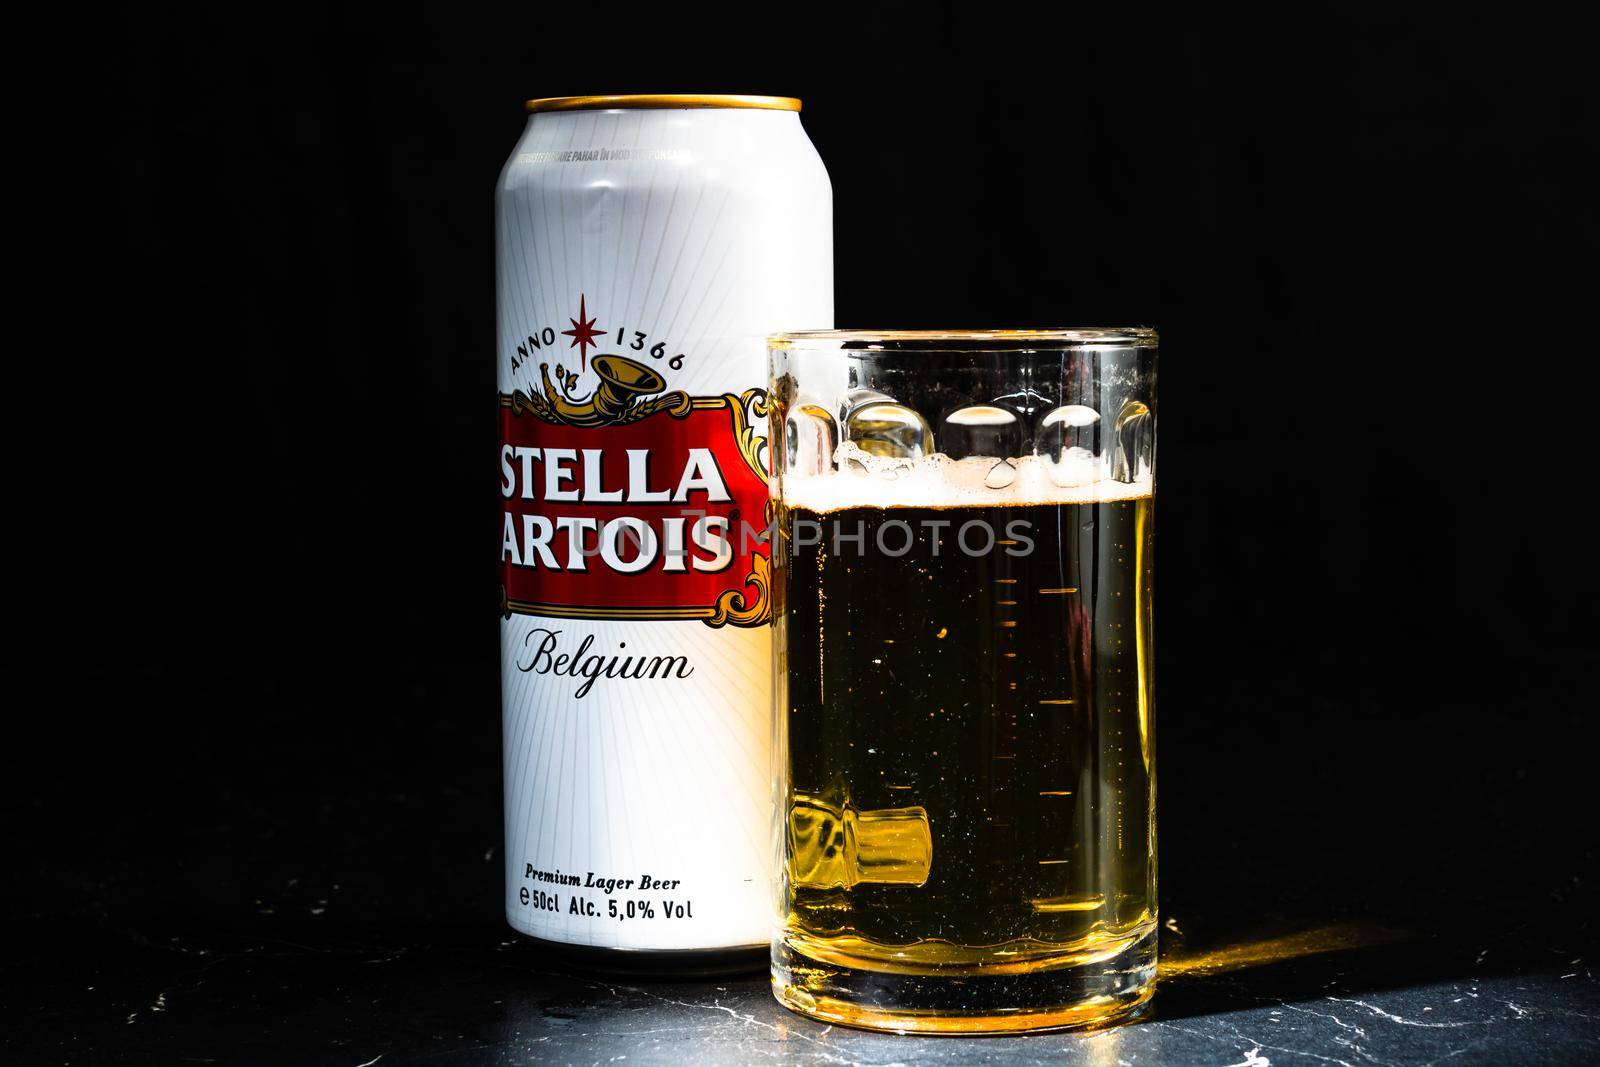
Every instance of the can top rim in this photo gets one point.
(662, 100)
(1125, 336)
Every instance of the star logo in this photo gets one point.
(582, 333)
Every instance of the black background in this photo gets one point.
(1361, 232)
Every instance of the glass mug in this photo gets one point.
(965, 763)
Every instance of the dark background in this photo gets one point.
(1361, 232)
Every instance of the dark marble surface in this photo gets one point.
(330, 896)
(455, 995)
(1493, 1020)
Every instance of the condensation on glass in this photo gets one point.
(965, 764)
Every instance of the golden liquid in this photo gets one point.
(968, 762)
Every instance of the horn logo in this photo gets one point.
(618, 399)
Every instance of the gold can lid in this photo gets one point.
(659, 100)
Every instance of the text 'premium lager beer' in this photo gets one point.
(963, 609)
(646, 247)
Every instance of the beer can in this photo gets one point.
(646, 245)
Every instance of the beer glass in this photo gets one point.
(965, 764)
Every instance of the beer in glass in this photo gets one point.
(963, 677)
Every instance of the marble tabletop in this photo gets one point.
(332, 896)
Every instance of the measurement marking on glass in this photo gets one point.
(1045, 792)
(1063, 700)
(1094, 902)
(1058, 592)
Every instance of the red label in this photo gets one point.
(628, 508)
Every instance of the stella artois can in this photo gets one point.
(646, 247)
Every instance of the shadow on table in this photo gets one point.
(1349, 958)
(1343, 845)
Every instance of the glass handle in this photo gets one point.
(838, 847)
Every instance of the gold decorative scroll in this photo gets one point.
(752, 403)
(734, 607)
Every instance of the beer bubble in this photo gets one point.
(1067, 443)
(981, 430)
(811, 435)
(890, 430)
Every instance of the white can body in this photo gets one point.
(643, 257)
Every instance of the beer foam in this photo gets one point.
(937, 481)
